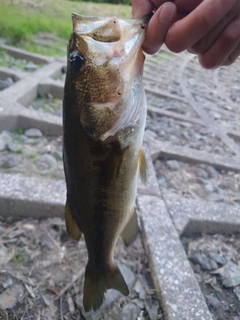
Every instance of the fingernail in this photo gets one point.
(167, 13)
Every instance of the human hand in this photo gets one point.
(158, 25)
(209, 28)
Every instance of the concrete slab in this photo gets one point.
(29, 56)
(12, 73)
(22, 197)
(194, 216)
(25, 90)
(15, 116)
(180, 295)
(166, 150)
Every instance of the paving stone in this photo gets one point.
(180, 294)
(192, 216)
(164, 216)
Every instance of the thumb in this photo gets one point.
(158, 27)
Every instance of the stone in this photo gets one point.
(205, 262)
(7, 283)
(208, 187)
(4, 84)
(31, 67)
(217, 258)
(138, 287)
(10, 297)
(14, 146)
(9, 161)
(5, 138)
(29, 151)
(129, 312)
(128, 275)
(45, 164)
(212, 172)
(33, 133)
(173, 164)
(231, 275)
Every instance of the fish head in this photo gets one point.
(104, 57)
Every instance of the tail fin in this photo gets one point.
(97, 283)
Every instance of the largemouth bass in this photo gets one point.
(104, 112)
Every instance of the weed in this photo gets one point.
(22, 21)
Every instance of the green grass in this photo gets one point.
(20, 20)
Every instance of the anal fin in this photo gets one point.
(142, 164)
(130, 231)
(73, 230)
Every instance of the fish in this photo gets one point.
(104, 115)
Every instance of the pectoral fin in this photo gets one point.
(73, 230)
(130, 231)
(113, 164)
(142, 163)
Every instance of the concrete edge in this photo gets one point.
(30, 56)
(180, 294)
(165, 150)
(25, 197)
(192, 216)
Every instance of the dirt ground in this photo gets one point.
(42, 274)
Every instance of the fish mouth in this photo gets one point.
(126, 34)
(114, 44)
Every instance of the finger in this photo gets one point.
(158, 27)
(187, 31)
(206, 42)
(232, 57)
(142, 7)
(184, 6)
(223, 46)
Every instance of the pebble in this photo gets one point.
(9, 161)
(128, 275)
(212, 172)
(214, 302)
(31, 67)
(205, 262)
(46, 163)
(209, 187)
(4, 84)
(173, 164)
(5, 138)
(33, 133)
(163, 183)
(217, 258)
(14, 146)
(201, 173)
(28, 151)
(129, 312)
(140, 290)
(10, 297)
(152, 310)
(7, 283)
(2, 230)
(231, 275)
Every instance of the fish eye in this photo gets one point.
(76, 59)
